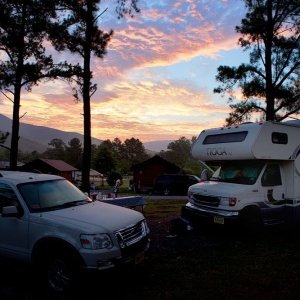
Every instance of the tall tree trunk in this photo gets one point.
(87, 143)
(15, 129)
(14, 147)
(270, 101)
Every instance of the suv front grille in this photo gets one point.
(199, 200)
(131, 234)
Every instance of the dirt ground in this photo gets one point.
(17, 282)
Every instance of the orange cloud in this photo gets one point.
(150, 109)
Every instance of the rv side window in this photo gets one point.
(279, 138)
(271, 176)
(231, 137)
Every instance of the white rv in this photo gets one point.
(258, 179)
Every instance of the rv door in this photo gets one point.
(274, 197)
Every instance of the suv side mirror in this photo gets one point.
(10, 211)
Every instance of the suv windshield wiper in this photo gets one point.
(76, 203)
(70, 204)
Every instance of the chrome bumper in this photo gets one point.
(212, 212)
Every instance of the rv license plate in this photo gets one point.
(139, 258)
(219, 220)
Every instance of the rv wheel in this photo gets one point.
(251, 220)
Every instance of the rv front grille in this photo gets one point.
(200, 200)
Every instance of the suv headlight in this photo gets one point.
(96, 241)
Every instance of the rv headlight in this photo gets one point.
(228, 201)
(96, 241)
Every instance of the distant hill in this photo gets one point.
(36, 138)
(157, 146)
(26, 145)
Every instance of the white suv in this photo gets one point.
(45, 220)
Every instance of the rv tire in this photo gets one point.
(251, 220)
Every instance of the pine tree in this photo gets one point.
(270, 82)
(23, 29)
(81, 35)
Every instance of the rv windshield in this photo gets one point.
(240, 172)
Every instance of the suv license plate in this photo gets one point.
(219, 220)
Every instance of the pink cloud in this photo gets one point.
(170, 31)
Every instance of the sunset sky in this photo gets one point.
(156, 81)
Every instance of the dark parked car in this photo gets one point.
(174, 184)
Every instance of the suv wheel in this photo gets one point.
(61, 273)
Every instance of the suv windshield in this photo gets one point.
(240, 172)
(51, 195)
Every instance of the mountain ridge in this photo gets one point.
(41, 134)
(36, 138)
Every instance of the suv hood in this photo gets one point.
(94, 216)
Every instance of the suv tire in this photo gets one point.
(60, 273)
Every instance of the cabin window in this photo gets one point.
(231, 137)
(279, 138)
(271, 176)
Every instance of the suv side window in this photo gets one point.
(271, 176)
(7, 196)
